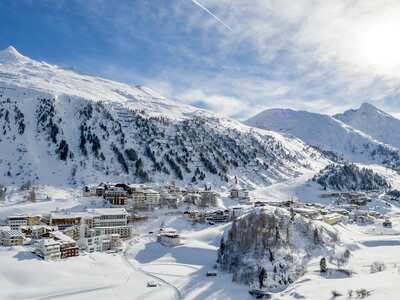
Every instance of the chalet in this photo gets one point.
(10, 237)
(48, 249)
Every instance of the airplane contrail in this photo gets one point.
(211, 14)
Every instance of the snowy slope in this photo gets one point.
(61, 127)
(326, 133)
(374, 122)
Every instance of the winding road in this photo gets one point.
(178, 294)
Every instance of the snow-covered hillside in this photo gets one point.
(270, 248)
(61, 127)
(373, 121)
(327, 133)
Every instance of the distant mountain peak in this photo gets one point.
(367, 106)
(374, 122)
(364, 109)
(11, 55)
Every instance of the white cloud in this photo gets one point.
(317, 55)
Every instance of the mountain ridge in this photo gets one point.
(328, 133)
(61, 127)
(374, 122)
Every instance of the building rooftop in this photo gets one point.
(49, 242)
(108, 211)
(62, 237)
(67, 215)
(150, 191)
(12, 233)
(17, 217)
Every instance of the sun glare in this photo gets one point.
(379, 46)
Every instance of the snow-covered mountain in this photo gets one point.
(61, 127)
(374, 122)
(327, 133)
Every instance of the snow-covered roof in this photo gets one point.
(150, 191)
(12, 233)
(17, 217)
(116, 189)
(67, 215)
(49, 242)
(5, 228)
(108, 211)
(62, 237)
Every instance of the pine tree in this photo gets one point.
(271, 255)
(262, 277)
(322, 265)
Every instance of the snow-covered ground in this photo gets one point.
(181, 271)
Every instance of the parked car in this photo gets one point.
(152, 284)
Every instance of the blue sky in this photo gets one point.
(322, 56)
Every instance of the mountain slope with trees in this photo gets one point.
(76, 129)
(350, 177)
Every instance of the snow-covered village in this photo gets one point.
(199, 150)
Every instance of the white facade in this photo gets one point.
(145, 198)
(138, 199)
(152, 198)
(102, 229)
(49, 249)
(16, 222)
(99, 243)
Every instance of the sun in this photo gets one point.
(379, 45)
